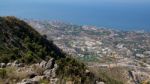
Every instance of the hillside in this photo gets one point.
(19, 41)
(25, 52)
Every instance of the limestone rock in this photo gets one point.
(37, 78)
(28, 81)
(17, 64)
(20, 65)
(2, 65)
(48, 73)
(25, 81)
(97, 82)
(43, 64)
(87, 71)
(54, 70)
(50, 64)
(53, 73)
(9, 64)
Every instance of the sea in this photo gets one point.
(116, 14)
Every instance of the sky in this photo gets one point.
(108, 13)
(80, 1)
(98, 1)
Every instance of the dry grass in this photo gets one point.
(15, 75)
(37, 69)
(116, 74)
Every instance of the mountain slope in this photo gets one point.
(19, 41)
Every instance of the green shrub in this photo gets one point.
(3, 73)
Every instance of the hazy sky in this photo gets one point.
(81, 1)
(87, 1)
(109, 13)
(92, 0)
(77, 2)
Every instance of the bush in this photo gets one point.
(3, 73)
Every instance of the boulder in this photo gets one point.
(28, 81)
(9, 64)
(25, 81)
(87, 71)
(55, 66)
(43, 64)
(16, 64)
(2, 65)
(54, 70)
(50, 64)
(20, 65)
(37, 78)
(53, 73)
(48, 73)
(97, 82)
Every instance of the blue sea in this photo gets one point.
(117, 14)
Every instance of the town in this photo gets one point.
(101, 47)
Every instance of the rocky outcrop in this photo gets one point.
(14, 64)
(38, 72)
(50, 64)
(43, 64)
(49, 73)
